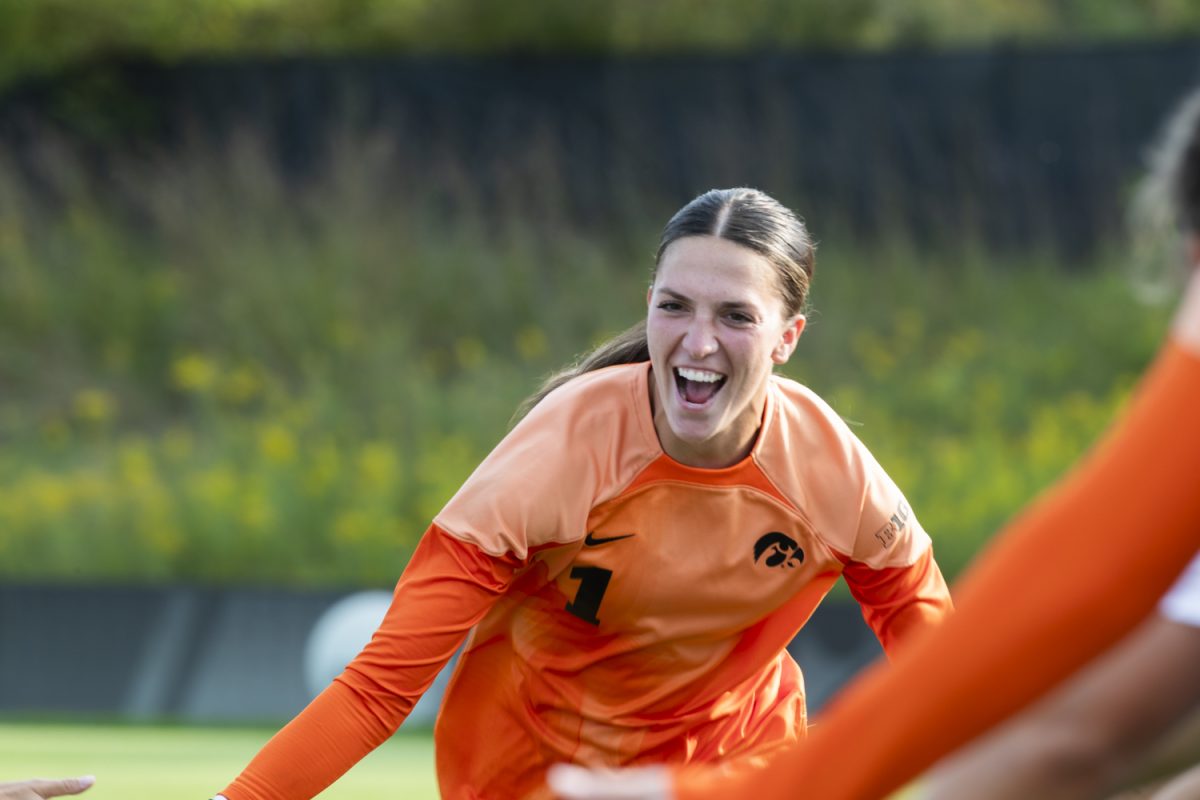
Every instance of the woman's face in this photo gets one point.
(716, 326)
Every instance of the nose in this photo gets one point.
(700, 340)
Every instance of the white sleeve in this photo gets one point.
(1182, 603)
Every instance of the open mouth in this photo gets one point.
(697, 386)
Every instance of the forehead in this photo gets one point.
(706, 264)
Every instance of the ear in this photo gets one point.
(787, 341)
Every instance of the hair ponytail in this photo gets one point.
(627, 347)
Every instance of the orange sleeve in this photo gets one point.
(898, 602)
(1068, 579)
(447, 587)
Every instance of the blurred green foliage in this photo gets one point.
(212, 375)
(37, 37)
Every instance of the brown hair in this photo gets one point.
(746, 217)
(1167, 204)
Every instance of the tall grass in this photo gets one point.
(209, 372)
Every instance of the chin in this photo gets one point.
(693, 432)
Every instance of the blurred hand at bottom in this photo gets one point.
(38, 789)
(570, 782)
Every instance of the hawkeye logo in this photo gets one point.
(775, 549)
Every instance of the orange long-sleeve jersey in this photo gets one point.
(622, 607)
(1066, 581)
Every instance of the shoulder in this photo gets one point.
(581, 445)
(592, 403)
(821, 466)
(616, 384)
(802, 417)
(809, 451)
(799, 397)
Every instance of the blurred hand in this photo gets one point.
(37, 789)
(638, 783)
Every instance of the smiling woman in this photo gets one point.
(716, 327)
(631, 561)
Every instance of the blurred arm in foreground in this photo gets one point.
(1090, 733)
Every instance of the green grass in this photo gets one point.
(135, 762)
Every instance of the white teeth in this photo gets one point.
(699, 375)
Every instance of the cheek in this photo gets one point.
(654, 336)
(752, 352)
(659, 334)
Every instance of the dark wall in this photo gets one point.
(240, 655)
(1021, 147)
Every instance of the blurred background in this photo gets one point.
(275, 275)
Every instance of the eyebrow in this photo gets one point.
(728, 305)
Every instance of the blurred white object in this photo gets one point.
(339, 634)
(570, 782)
(342, 631)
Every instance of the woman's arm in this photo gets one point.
(900, 602)
(447, 587)
(1089, 732)
(1084, 737)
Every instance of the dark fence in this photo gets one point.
(250, 655)
(1015, 147)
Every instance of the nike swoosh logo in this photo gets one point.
(592, 539)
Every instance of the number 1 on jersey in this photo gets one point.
(593, 581)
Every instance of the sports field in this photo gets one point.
(133, 762)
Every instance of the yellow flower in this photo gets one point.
(159, 531)
(135, 463)
(323, 469)
(531, 343)
(966, 345)
(352, 526)
(241, 385)
(277, 444)
(49, 494)
(470, 352)
(14, 509)
(95, 406)
(178, 444)
(910, 325)
(256, 511)
(91, 486)
(193, 373)
(877, 356)
(214, 487)
(300, 414)
(377, 464)
(442, 466)
(987, 398)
